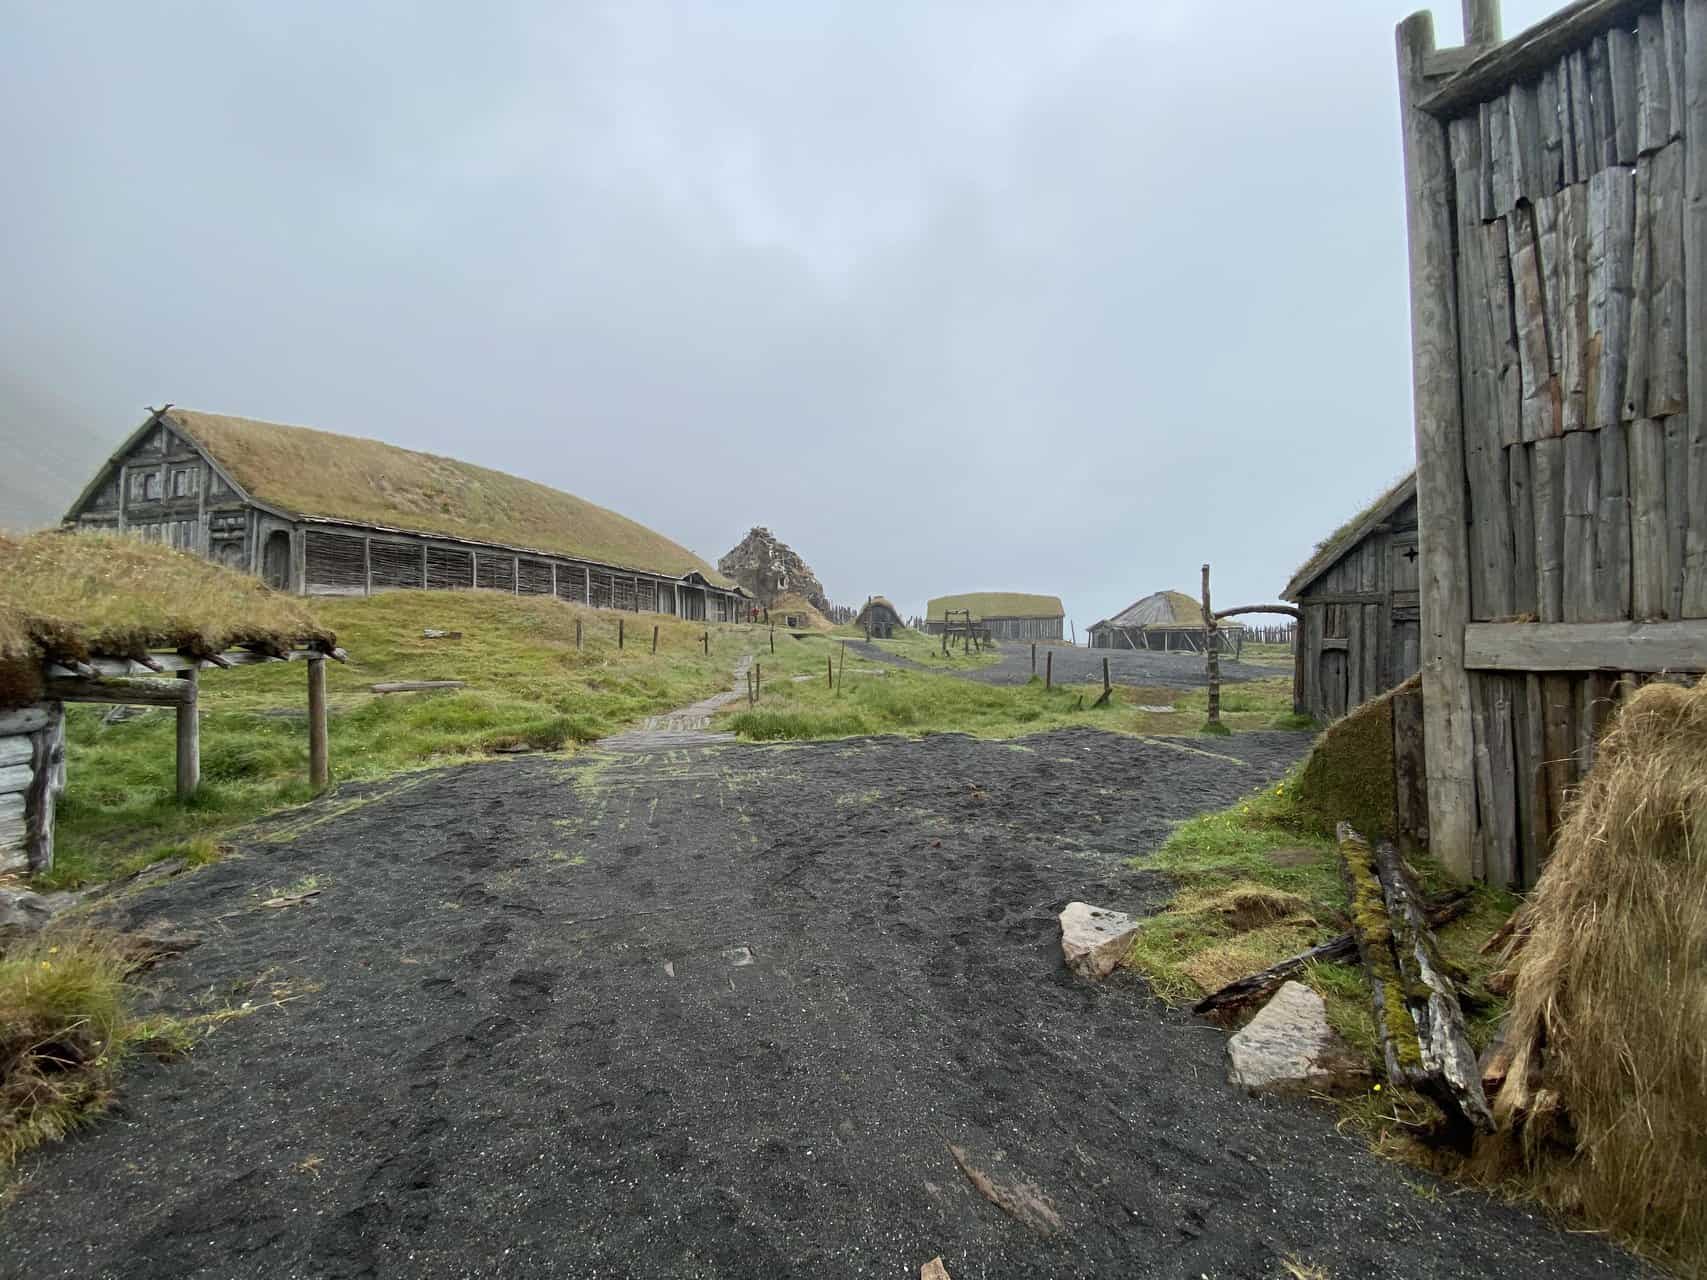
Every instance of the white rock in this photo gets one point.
(1094, 939)
(1290, 1046)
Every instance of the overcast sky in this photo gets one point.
(1054, 296)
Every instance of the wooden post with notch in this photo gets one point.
(1445, 561)
(1211, 660)
(319, 764)
(189, 736)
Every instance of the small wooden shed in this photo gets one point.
(1165, 621)
(1359, 631)
(880, 618)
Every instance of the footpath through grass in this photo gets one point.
(528, 687)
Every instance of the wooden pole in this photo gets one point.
(189, 736)
(758, 679)
(773, 639)
(1034, 657)
(654, 637)
(1049, 669)
(577, 633)
(707, 639)
(1445, 559)
(319, 769)
(1211, 660)
(830, 670)
(841, 671)
(619, 623)
(1481, 23)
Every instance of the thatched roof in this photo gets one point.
(314, 474)
(997, 604)
(1162, 611)
(1348, 535)
(67, 596)
(876, 600)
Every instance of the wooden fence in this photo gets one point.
(1556, 191)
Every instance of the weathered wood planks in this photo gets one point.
(1587, 646)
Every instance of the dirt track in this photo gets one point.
(720, 1013)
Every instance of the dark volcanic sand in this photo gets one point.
(499, 1076)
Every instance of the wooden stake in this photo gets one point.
(1049, 669)
(1107, 688)
(773, 639)
(654, 637)
(707, 639)
(189, 737)
(1211, 660)
(830, 670)
(319, 767)
(577, 633)
(841, 671)
(1034, 657)
(619, 623)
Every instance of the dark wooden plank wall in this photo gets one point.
(1586, 466)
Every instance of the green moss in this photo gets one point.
(1348, 776)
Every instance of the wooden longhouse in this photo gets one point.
(1359, 630)
(1164, 621)
(321, 514)
(1001, 615)
(1556, 199)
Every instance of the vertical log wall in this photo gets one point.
(1557, 199)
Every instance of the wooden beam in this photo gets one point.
(42, 801)
(1526, 55)
(1586, 646)
(1445, 569)
(189, 735)
(1481, 23)
(319, 763)
(138, 692)
(1695, 301)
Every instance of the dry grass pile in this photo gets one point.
(319, 473)
(1605, 1104)
(65, 1029)
(71, 596)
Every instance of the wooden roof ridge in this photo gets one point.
(1350, 534)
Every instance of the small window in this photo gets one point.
(184, 482)
(150, 485)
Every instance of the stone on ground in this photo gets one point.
(1289, 1046)
(1094, 939)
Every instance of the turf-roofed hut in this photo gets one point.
(1002, 615)
(1358, 596)
(1164, 620)
(109, 619)
(316, 513)
(880, 618)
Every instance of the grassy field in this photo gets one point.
(872, 699)
(528, 686)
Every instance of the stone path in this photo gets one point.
(684, 727)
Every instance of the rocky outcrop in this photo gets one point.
(766, 567)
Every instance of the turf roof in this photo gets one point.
(1349, 534)
(1162, 610)
(73, 596)
(997, 604)
(309, 472)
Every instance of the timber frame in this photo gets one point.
(1556, 202)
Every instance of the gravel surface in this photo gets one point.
(721, 1012)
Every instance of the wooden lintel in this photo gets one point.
(1343, 597)
(1586, 646)
(137, 691)
(172, 662)
(1528, 54)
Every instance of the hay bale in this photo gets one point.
(1609, 1014)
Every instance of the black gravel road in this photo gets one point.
(720, 1013)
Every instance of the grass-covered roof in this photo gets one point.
(75, 596)
(997, 604)
(1162, 611)
(1343, 539)
(317, 473)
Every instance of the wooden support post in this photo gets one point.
(1049, 669)
(1481, 23)
(842, 670)
(707, 644)
(47, 780)
(1694, 101)
(1211, 659)
(577, 633)
(654, 637)
(1107, 688)
(758, 679)
(1445, 559)
(1034, 657)
(773, 639)
(319, 767)
(1299, 708)
(619, 632)
(830, 670)
(189, 736)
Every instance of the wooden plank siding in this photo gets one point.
(1576, 187)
